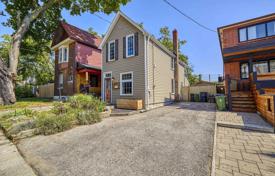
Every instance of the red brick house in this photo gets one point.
(77, 61)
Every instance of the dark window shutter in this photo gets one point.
(107, 51)
(136, 44)
(124, 47)
(116, 49)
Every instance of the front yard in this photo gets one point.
(28, 103)
(56, 117)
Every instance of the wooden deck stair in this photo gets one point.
(243, 102)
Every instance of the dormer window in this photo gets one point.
(63, 54)
(257, 31)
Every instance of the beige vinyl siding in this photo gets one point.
(133, 64)
(160, 75)
(183, 82)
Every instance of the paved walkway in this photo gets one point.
(241, 152)
(11, 162)
(242, 120)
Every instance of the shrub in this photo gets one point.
(88, 117)
(86, 102)
(24, 91)
(49, 123)
(59, 108)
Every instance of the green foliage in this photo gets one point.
(167, 41)
(59, 108)
(87, 117)
(4, 48)
(48, 123)
(92, 31)
(87, 102)
(24, 91)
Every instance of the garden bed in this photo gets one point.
(79, 110)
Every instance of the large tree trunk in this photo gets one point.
(8, 77)
(7, 95)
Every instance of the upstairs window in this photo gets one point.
(111, 51)
(242, 35)
(63, 54)
(257, 31)
(271, 28)
(172, 63)
(130, 45)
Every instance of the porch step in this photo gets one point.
(234, 105)
(244, 109)
(241, 94)
(238, 102)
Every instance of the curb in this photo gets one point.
(246, 127)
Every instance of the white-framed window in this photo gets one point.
(260, 67)
(60, 80)
(172, 63)
(126, 83)
(63, 54)
(173, 86)
(111, 53)
(272, 66)
(130, 45)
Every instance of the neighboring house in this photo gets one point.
(248, 50)
(77, 61)
(137, 66)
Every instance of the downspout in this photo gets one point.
(146, 81)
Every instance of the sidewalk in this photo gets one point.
(240, 152)
(11, 162)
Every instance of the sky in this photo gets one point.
(202, 46)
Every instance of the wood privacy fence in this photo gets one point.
(187, 91)
(46, 91)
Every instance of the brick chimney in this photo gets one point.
(176, 69)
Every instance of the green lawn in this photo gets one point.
(28, 102)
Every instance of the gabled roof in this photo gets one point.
(80, 35)
(114, 22)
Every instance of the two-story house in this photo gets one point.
(77, 61)
(248, 47)
(137, 66)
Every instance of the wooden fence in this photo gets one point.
(46, 91)
(187, 91)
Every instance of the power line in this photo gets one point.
(190, 18)
(100, 17)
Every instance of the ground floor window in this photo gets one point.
(260, 67)
(60, 80)
(244, 71)
(173, 85)
(126, 83)
(272, 66)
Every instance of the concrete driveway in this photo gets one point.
(169, 141)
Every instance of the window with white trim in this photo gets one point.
(172, 63)
(130, 45)
(173, 86)
(111, 56)
(63, 54)
(126, 83)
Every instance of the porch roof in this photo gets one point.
(88, 68)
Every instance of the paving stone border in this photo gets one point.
(238, 151)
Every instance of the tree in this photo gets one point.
(38, 19)
(167, 41)
(91, 31)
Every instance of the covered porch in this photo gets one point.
(88, 79)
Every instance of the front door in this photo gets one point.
(107, 88)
